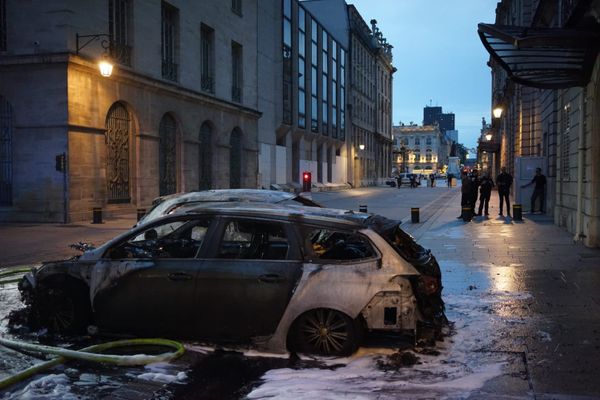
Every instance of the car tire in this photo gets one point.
(64, 308)
(326, 332)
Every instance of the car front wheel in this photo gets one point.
(325, 332)
(64, 308)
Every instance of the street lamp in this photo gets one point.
(361, 146)
(104, 65)
(488, 136)
(497, 111)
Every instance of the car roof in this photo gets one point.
(311, 215)
(254, 195)
(166, 204)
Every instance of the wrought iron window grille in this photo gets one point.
(208, 83)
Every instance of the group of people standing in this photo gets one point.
(472, 184)
(472, 187)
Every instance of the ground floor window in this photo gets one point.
(118, 124)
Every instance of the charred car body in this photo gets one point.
(165, 205)
(303, 278)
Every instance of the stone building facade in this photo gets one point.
(179, 113)
(420, 148)
(209, 94)
(371, 99)
(549, 91)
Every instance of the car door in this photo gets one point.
(151, 278)
(247, 279)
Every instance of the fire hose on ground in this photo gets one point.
(92, 353)
(12, 275)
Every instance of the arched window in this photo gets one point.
(235, 159)
(428, 155)
(205, 157)
(167, 156)
(118, 124)
(6, 133)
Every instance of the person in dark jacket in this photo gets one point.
(466, 197)
(504, 182)
(539, 190)
(485, 191)
(474, 178)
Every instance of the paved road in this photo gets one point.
(522, 296)
(540, 288)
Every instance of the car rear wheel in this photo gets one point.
(64, 308)
(326, 332)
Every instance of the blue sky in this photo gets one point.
(439, 58)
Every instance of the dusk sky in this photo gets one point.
(439, 57)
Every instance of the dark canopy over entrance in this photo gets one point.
(547, 58)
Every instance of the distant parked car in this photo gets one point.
(405, 179)
(278, 276)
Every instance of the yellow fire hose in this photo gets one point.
(91, 354)
(7, 275)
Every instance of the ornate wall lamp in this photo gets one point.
(497, 111)
(105, 65)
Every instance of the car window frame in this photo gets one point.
(311, 257)
(295, 253)
(163, 221)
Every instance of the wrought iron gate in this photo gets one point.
(117, 154)
(6, 129)
(204, 157)
(235, 159)
(167, 156)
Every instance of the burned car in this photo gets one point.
(273, 276)
(167, 204)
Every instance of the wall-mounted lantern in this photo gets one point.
(105, 65)
(497, 112)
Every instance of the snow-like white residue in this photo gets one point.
(461, 368)
(47, 387)
(162, 373)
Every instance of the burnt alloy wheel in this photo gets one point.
(326, 332)
(63, 308)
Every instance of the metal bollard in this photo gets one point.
(362, 208)
(414, 215)
(140, 213)
(517, 212)
(96, 215)
(467, 214)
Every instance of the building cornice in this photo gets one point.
(127, 75)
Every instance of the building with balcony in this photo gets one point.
(546, 91)
(179, 112)
(371, 76)
(420, 149)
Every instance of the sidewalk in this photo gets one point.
(554, 320)
(26, 243)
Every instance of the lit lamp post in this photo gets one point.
(497, 112)
(359, 165)
(105, 66)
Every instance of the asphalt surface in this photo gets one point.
(535, 286)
